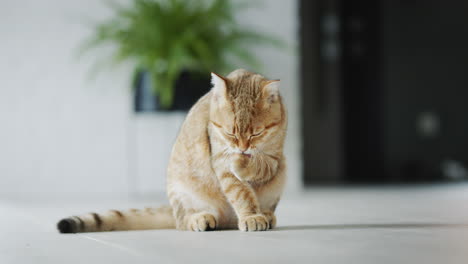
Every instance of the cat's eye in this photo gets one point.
(257, 134)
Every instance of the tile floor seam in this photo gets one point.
(113, 245)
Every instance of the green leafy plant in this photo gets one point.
(166, 37)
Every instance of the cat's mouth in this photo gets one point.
(246, 154)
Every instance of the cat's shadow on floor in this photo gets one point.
(408, 225)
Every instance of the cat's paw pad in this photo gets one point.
(271, 219)
(256, 222)
(202, 222)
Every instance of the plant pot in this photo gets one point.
(189, 87)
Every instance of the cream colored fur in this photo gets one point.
(227, 168)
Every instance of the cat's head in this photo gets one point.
(246, 111)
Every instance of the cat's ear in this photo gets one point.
(271, 90)
(219, 87)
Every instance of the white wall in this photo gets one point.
(61, 132)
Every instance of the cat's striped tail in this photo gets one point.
(113, 220)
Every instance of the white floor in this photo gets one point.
(398, 224)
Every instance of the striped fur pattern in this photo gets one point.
(114, 220)
(226, 169)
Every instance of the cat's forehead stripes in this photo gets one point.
(244, 92)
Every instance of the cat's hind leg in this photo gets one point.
(192, 212)
(194, 219)
(201, 221)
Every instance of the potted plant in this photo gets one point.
(174, 44)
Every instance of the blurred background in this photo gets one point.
(375, 90)
(383, 91)
(69, 128)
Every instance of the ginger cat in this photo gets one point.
(226, 170)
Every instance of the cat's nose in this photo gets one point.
(243, 146)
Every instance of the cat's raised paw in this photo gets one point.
(256, 222)
(202, 222)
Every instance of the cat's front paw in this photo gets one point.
(239, 164)
(202, 222)
(271, 219)
(256, 222)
